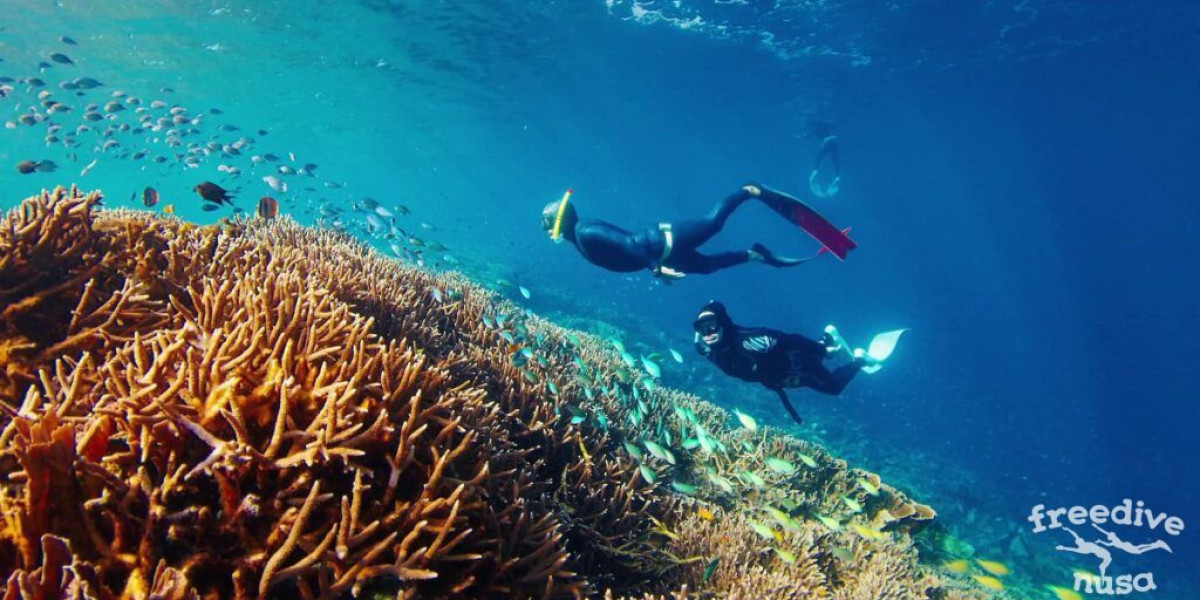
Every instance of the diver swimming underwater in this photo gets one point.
(670, 250)
(779, 360)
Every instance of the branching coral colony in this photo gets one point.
(264, 410)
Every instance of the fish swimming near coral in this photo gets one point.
(780, 465)
(993, 567)
(747, 421)
(683, 488)
(989, 582)
(957, 566)
(40, 166)
(648, 474)
(213, 193)
(1064, 593)
(268, 207)
(149, 196)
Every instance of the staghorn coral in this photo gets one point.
(263, 410)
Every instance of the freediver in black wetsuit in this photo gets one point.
(669, 250)
(775, 359)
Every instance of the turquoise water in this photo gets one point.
(1015, 174)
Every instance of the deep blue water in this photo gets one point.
(1019, 176)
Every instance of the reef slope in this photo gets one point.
(259, 409)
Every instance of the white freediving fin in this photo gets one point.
(834, 187)
(815, 186)
(879, 350)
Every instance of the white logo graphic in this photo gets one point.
(759, 343)
(1126, 514)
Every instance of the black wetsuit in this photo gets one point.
(617, 249)
(777, 360)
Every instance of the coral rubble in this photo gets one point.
(259, 409)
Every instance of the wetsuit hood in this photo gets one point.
(714, 310)
(711, 312)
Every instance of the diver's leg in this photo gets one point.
(689, 261)
(691, 233)
(833, 382)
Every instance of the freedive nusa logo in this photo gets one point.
(1102, 520)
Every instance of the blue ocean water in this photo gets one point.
(1018, 176)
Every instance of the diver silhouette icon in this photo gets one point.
(1083, 546)
(1115, 542)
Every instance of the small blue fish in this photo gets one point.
(437, 294)
(487, 322)
(524, 291)
(676, 355)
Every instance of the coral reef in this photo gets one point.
(258, 409)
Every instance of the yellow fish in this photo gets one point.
(1063, 593)
(868, 486)
(957, 566)
(169, 209)
(763, 531)
(993, 567)
(852, 503)
(989, 582)
(830, 523)
(706, 514)
(786, 556)
(867, 532)
(783, 518)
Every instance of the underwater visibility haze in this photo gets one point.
(1017, 176)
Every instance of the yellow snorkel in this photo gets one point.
(556, 234)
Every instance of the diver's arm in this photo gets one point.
(788, 404)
